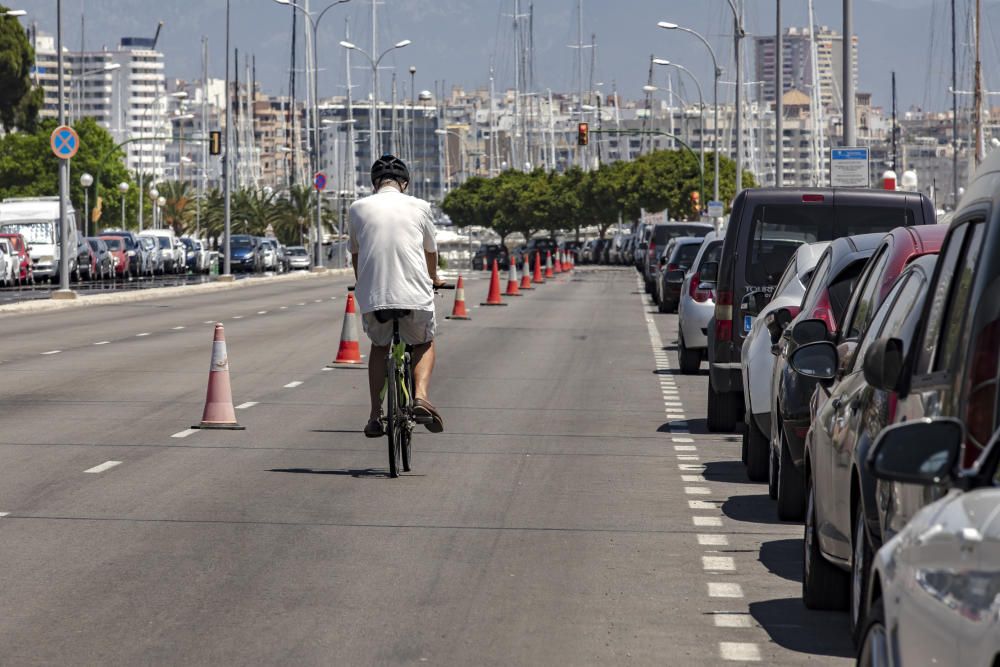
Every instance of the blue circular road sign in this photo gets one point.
(65, 142)
(320, 180)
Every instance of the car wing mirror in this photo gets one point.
(922, 451)
(883, 364)
(815, 360)
(675, 276)
(809, 331)
(709, 272)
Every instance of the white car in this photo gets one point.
(756, 356)
(697, 306)
(934, 592)
(7, 259)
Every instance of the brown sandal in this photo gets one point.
(426, 414)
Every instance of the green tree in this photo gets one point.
(20, 101)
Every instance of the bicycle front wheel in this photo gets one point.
(392, 430)
(407, 428)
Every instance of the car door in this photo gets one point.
(981, 637)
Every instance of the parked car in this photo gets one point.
(540, 247)
(124, 259)
(642, 233)
(244, 254)
(488, 252)
(765, 228)
(36, 219)
(658, 237)
(934, 591)
(195, 255)
(298, 257)
(86, 261)
(140, 259)
(20, 248)
(696, 305)
(7, 264)
(171, 258)
(104, 258)
(571, 248)
(268, 250)
(850, 414)
(676, 260)
(154, 255)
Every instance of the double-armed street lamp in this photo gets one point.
(701, 101)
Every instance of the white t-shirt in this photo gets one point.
(390, 232)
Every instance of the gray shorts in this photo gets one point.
(415, 329)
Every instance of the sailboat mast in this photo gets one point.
(978, 95)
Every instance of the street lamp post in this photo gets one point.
(123, 188)
(701, 102)
(154, 195)
(86, 180)
(461, 153)
(374, 139)
(715, 94)
(315, 116)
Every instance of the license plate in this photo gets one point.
(747, 323)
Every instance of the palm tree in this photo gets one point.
(179, 209)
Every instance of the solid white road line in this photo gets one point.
(739, 651)
(107, 465)
(262, 312)
(721, 590)
(707, 521)
(51, 352)
(720, 563)
(103, 342)
(185, 433)
(732, 619)
(697, 490)
(702, 505)
(244, 406)
(292, 385)
(709, 540)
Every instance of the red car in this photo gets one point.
(116, 246)
(21, 248)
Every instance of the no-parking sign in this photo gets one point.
(320, 180)
(65, 142)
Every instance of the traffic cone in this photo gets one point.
(485, 266)
(526, 275)
(548, 265)
(349, 351)
(559, 266)
(494, 296)
(512, 281)
(458, 311)
(219, 412)
(538, 278)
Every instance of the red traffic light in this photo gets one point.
(582, 134)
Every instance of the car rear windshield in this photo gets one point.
(842, 288)
(93, 244)
(685, 254)
(163, 241)
(663, 233)
(778, 229)
(712, 254)
(113, 244)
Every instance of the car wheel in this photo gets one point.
(791, 485)
(860, 565)
(688, 360)
(661, 306)
(722, 410)
(772, 471)
(824, 586)
(874, 649)
(649, 287)
(758, 449)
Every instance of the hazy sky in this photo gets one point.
(456, 40)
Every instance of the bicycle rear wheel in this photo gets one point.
(392, 430)
(407, 428)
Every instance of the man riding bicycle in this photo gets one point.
(395, 266)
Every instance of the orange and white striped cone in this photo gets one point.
(493, 298)
(548, 264)
(458, 311)
(526, 275)
(349, 351)
(219, 412)
(538, 278)
(558, 263)
(512, 281)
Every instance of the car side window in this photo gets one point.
(958, 302)
(790, 272)
(867, 299)
(899, 300)
(948, 263)
(817, 284)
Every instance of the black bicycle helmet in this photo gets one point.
(389, 166)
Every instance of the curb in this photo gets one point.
(47, 305)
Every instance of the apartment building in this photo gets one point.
(797, 69)
(89, 82)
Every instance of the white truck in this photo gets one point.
(37, 220)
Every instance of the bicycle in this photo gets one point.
(397, 391)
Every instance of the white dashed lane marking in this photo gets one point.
(724, 590)
(244, 406)
(178, 328)
(103, 342)
(732, 619)
(292, 385)
(185, 433)
(51, 352)
(709, 540)
(107, 465)
(685, 448)
(739, 651)
(3, 514)
(697, 490)
(718, 563)
(140, 335)
(707, 521)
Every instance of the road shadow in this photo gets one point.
(356, 431)
(783, 558)
(751, 509)
(672, 347)
(733, 472)
(796, 628)
(359, 473)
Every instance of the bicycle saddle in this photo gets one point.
(390, 314)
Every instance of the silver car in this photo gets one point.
(934, 592)
(298, 258)
(696, 307)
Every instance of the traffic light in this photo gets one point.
(696, 201)
(582, 134)
(215, 142)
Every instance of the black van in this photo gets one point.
(765, 228)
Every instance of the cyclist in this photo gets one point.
(395, 265)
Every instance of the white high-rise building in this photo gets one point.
(140, 105)
(89, 82)
(797, 73)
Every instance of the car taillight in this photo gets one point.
(981, 391)
(724, 316)
(823, 311)
(813, 198)
(699, 295)
(652, 251)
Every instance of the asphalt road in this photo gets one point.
(573, 511)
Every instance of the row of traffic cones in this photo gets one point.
(219, 412)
